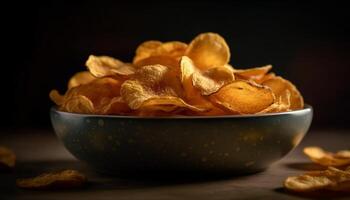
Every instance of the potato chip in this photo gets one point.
(306, 183)
(151, 53)
(56, 97)
(252, 73)
(79, 104)
(173, 49)
(265, 78)
(161, 60)
(279, 87)
(65, 179)
(211, 80)
(95, 97)
(282, 104)
(7, 158)
(331, 179)
(80, 78)
(145, 50)
(208, 50)
(192, 94)
(319, 156)
(101, 66)
(242, 97)
(154, 87)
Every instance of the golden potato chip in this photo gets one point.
(65, 179)
(154, 87)
(279, 86)
(161, 60)
(56, 97)
(211, 80)
(80, 78)
(331, 179)
(242, 97)
(115, 106)
(101, 66)
(319, 156)
(79, 104)
(306, 183)
(145, 50)
(7, 158)
(94, 97)
(166, 53)
(282, 104)
(265, 78)
(208, 50)
(192, 94)
(173, 49)
(252, 73)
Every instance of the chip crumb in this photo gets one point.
(65, 179)
(7, 159)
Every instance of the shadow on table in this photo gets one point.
(314, 195)
(135, 180)
(305, 166)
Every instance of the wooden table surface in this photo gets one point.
(40, 151)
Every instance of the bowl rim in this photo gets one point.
(307, 108)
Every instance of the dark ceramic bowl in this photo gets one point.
(235, 144)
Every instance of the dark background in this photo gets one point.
(46, 43)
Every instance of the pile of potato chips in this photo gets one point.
(175, 78)
(335, 178)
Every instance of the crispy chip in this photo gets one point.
(145, 50)
(331, 179)
(192, 94)
(252, 73)
(208, 50)
(95, 97)
(154, 87)
(167, 53)
(56, 180)
(79, 104)
(56, 97)
(281, 104)
(279, 87)
(242, 97)
(80, 78)
(7, 158)
(211, 80)
(161, 60)
(101, 66)
(319, 156)
(306, 183)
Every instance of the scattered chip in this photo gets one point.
(319, 156)
(7, 158)
(65, 179)
(242, 97)
(331, 179)
(175, 78)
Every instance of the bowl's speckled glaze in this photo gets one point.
(234, 144)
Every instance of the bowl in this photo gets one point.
(218, 144)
